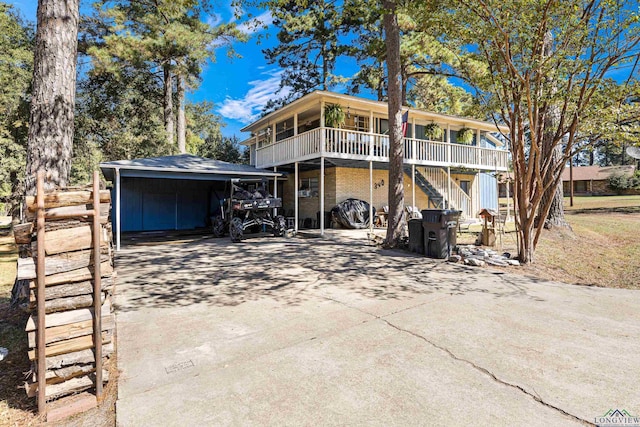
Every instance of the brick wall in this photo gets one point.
(342, 183)
(309, 206)
(354, 183)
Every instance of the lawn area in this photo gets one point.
(602, 202)
(603, 249)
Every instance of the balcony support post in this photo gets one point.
(322, 195)
(370, 196)
(449, 188)
(275, 190)
(297, 188)
(296, 142)
(413, 184)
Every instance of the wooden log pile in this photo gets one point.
(68, 290)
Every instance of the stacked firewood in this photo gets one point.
(69, 281)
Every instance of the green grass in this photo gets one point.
(601, 202)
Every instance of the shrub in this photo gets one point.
(621, 181)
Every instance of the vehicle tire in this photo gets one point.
(235, 229)
(217, 226)
(279, 226)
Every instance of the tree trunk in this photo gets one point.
(168, 104)
(555, 218)
(396, 224)
(554, 194)
(50, 138)
(182, 120)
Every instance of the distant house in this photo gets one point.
(593, 180)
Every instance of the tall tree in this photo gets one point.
(590, 39)
(50, 140)
(397, 222)
(553, 196)
(168, 38)
(16, 71)
(120, 115)
(308, 46)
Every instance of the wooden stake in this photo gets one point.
(41, 274)
(97, 301)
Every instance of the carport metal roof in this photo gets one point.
(183, 166)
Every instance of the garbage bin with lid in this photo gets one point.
(416, 236)
(439, 232)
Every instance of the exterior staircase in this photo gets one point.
(435, 182)
(436, 198)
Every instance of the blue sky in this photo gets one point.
(238, 87)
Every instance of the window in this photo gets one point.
(308, 187)
(382, 126)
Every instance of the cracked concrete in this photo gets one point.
(308, 332)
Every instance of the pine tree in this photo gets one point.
(16, 71)
(168, 38)
(50, 140)
(308, 46)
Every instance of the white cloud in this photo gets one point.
(214, 19)
(256, 24)
(248, 108)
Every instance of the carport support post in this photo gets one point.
(322, 196)
(370, 196)
(297, 184)
(117, 209)
(275, 190)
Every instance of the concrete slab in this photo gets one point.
(311, 331)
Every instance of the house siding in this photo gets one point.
(489, 191)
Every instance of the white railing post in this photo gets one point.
(296, 201)
(414, 145)
(448, 159)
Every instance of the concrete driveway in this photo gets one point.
(327, 332)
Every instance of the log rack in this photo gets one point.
(40, 283)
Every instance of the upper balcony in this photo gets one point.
(366, 146)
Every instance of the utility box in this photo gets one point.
(489, 217)
(439, 226)
(416, 236)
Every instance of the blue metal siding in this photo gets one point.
(488, 191)
(131, 209)
(150, 204)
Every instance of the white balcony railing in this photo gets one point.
(348, 144)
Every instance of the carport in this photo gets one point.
(172, 192)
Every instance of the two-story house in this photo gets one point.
(330, 162)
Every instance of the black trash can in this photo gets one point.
(416, 236)
(439, 232)
(327, 219)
